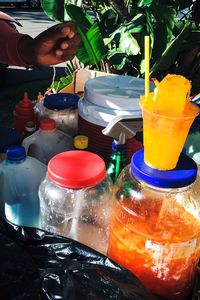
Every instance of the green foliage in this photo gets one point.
(114, 36)
(55, 9)
(92, 48)
(58, 85)
(170, 54)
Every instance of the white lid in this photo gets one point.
(103, 115)
(115, 91)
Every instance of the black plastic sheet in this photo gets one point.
(37, 265)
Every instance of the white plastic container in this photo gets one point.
(106, 97)
(47, 141)
(20, 177)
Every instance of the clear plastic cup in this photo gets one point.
(164, 137)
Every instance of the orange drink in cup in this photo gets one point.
(167, 117)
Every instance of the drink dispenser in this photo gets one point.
(105, 98)
(155, 225)
(75, 198)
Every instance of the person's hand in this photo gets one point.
(53, 46)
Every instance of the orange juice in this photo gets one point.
(164, 138)
(167, 117)
(159, 244)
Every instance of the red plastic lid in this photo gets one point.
(76, 169)
(47, 124)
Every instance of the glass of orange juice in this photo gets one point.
(164, 137)
(167, 117)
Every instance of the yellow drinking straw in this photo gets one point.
(146, 59)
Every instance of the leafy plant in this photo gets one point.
(113, 38)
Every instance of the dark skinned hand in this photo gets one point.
(53, 46)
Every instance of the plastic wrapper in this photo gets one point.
(37, 265)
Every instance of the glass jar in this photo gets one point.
(75, 198)
(62, 108)
(155, 225)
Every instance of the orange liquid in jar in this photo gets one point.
(158, 242)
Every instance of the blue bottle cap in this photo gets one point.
(118, 147)
(183, 175)
(61, 101)
(16, 153)
(9, 137)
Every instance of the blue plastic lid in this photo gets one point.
(9, 137)
(118, 147)
(183, 175)
(16, 153)
(61, 101)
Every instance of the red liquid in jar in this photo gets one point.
(157, 241)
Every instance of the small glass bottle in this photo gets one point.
(155, 225)
(117, 159)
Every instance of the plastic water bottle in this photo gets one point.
(20, 177)
(47, 141)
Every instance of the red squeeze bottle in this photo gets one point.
(23, 113)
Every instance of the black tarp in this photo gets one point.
(35, 264)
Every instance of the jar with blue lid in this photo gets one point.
(155, 225)
(62, 108)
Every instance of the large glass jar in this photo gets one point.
(75, 198)
(155, 225)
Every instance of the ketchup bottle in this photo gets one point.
(23, 113)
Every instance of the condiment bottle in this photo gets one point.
(117, 159)
(47, 141)
(81, 142)
(24, 112)
(75, 198)
(155, 225)
(20, 177)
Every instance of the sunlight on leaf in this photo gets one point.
(128, 44)
(55, 9)
(92, 48)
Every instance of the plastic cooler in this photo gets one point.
(104, 98)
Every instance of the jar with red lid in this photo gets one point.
(75, 198)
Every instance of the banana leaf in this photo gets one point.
(128, 44)
(92, 49)
(169, 55)
(142, 3)
(55, 9)
(165, 20)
